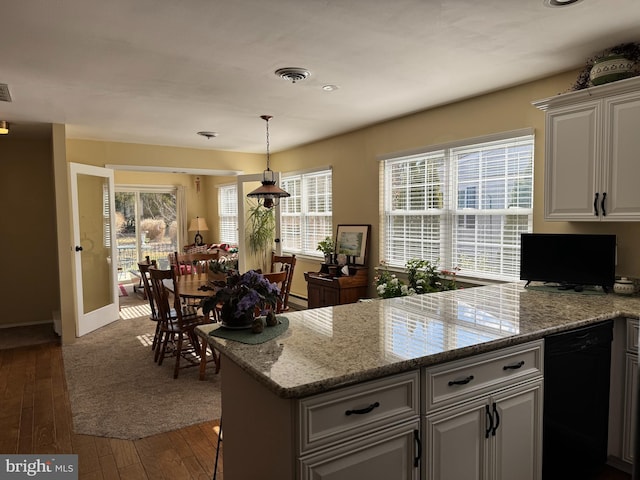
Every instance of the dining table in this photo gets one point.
(196, 286)
(193, 287)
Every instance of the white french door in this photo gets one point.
(95, 274)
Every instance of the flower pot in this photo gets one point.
(610, 69)
(232, 322)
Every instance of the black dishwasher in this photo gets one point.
(576, 401)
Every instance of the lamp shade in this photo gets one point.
(198, 225)
(4, 127)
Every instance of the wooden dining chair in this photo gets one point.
(193, 263)
(280, 279)
(143, 267)
(179, 329)
(288, 263)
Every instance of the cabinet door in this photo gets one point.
(314, 295)
(621, 169)
(630, 393)
(456, 443)
(572, 162)
(517, 443)
(387, 455)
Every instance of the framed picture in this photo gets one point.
(352, 240)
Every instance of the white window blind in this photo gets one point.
(463, 206)
(307, 213)
(228, 213)
(106, 215)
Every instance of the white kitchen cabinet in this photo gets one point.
(630, 390)
(490, 431)
(591, 153)
(350, 432)
(370, 430)
(390, 454)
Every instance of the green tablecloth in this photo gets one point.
(247, 336)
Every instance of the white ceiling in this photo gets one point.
(158, 71)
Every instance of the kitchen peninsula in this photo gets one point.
(361, 384)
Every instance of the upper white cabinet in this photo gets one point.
(592, 153)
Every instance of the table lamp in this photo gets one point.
(198, 224)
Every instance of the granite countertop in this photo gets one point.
(326, 348)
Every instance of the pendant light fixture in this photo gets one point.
(269, 194)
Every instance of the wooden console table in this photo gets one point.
(324, 289)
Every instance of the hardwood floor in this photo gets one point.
(35, 417)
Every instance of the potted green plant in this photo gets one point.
(327, 247)
(261, 229)
(422, 277)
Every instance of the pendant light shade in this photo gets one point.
(269, 194)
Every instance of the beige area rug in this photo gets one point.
(116, 389)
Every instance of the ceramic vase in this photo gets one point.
(624, 286)
(610, 69)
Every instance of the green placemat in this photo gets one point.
(247, 336)
(547, 288)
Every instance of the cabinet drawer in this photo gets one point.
(632, 335)
(351, 411)
(461, 380)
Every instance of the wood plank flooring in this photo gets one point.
(35, 417)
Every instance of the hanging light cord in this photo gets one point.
(266, 118)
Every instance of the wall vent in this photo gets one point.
(5, 96)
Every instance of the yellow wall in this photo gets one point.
(354, 159)
(28, 241)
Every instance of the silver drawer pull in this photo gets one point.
(514, 366)
(464, 381)
(362, 411)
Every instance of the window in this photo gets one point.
(147, 220)
(460, 206)
(307, 213)
(228, 213)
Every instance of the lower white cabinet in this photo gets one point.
(390, 454)
(483, 416)
(367, 431)
(495, 437)
(630, 389)
(630, 394)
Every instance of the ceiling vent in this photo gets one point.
(5, 96)
(293, 74)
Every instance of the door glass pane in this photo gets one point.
(95, 239)
(146, 225)
(126, 234)
(158, 230)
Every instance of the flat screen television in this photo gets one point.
(570, 260)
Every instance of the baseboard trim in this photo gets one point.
(619, 464)
(298, 302)
(29, 324)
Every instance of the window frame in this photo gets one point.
(432, 204)
(228, 221)
(298, 206)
